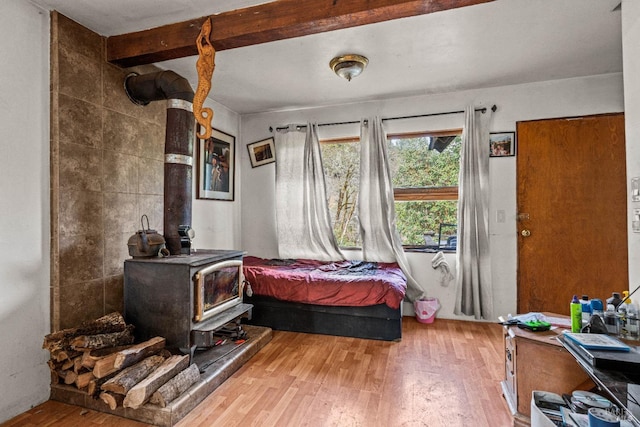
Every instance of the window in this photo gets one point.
(424, 170)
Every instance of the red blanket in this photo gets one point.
(341, 283)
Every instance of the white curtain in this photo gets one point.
(302, 214)
(380, 239)
(474, 294)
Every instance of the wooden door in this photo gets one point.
(571, 197)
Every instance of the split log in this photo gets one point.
(82, 380)
(138, 352)
(62, 355)
(139, 394)
(113, 322)
(126, 379)
(176, 386)
(106, 365)
(77, 365)
(111, 399)
(68, 364)
(90, 357)
(93, 389)
(70, 377)
(99, 341)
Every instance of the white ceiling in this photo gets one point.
(494, 44)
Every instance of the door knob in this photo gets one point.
(525, 233)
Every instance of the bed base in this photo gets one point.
(377, 322)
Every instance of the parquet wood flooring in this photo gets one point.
(443, 374)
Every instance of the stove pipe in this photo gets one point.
(178, 147)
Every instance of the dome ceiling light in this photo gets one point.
(348, 66)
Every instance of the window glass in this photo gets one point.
(424, 169)
(424, 172)
(341, 162)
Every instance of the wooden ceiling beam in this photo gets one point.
(278, 20)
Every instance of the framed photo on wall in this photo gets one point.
(502, 144)
(262, 152)
(216, 166)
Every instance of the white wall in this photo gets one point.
(217, 223)
(24, 206)
(563, 98)
(631, 52)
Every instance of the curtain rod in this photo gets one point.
(482, 110)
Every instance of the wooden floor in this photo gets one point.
(443, 374)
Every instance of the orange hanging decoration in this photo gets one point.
(205, 66)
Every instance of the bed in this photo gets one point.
(346, 298)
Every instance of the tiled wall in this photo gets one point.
(106, 171)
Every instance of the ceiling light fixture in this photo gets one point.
(348, 66)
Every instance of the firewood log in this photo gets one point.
(142, 391)
(113, 322)
(77, 365)
(70, 377)
(103, 340)
(62, 355)
(112, 399)
(138, 352)
(68, 364)
(90, 357)
(82, 380)
(176, 386)
(93, 388)
(126, 379)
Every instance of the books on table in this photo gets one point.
(597, 341)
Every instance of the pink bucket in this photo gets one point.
(425, 309)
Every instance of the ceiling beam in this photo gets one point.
(278, 20)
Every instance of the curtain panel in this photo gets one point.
(381, 241)
(474, 292)
(302, 215)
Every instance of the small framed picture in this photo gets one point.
(262, 152)
(216, 166)
(502, 144)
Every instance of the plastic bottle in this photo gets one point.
(586, 309)
(611, 320)
(633, 322)
(614, 300)
(597, 308)
(576, 314)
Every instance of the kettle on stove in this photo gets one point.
(146, 243)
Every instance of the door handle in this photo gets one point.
(525, 233)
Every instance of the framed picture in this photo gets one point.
(216, 166)
(262, 152)
(502, 144)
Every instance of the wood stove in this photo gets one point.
(184, 298)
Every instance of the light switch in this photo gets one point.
(500, 216)
(635, 189)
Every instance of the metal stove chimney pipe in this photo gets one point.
(179, 139)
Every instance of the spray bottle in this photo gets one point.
(576, 314)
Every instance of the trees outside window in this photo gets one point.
(424, 169)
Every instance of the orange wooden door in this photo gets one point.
(571, 197)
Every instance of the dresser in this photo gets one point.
(537, 361)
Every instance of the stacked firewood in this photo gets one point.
(100, 358)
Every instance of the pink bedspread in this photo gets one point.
(342, 283)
